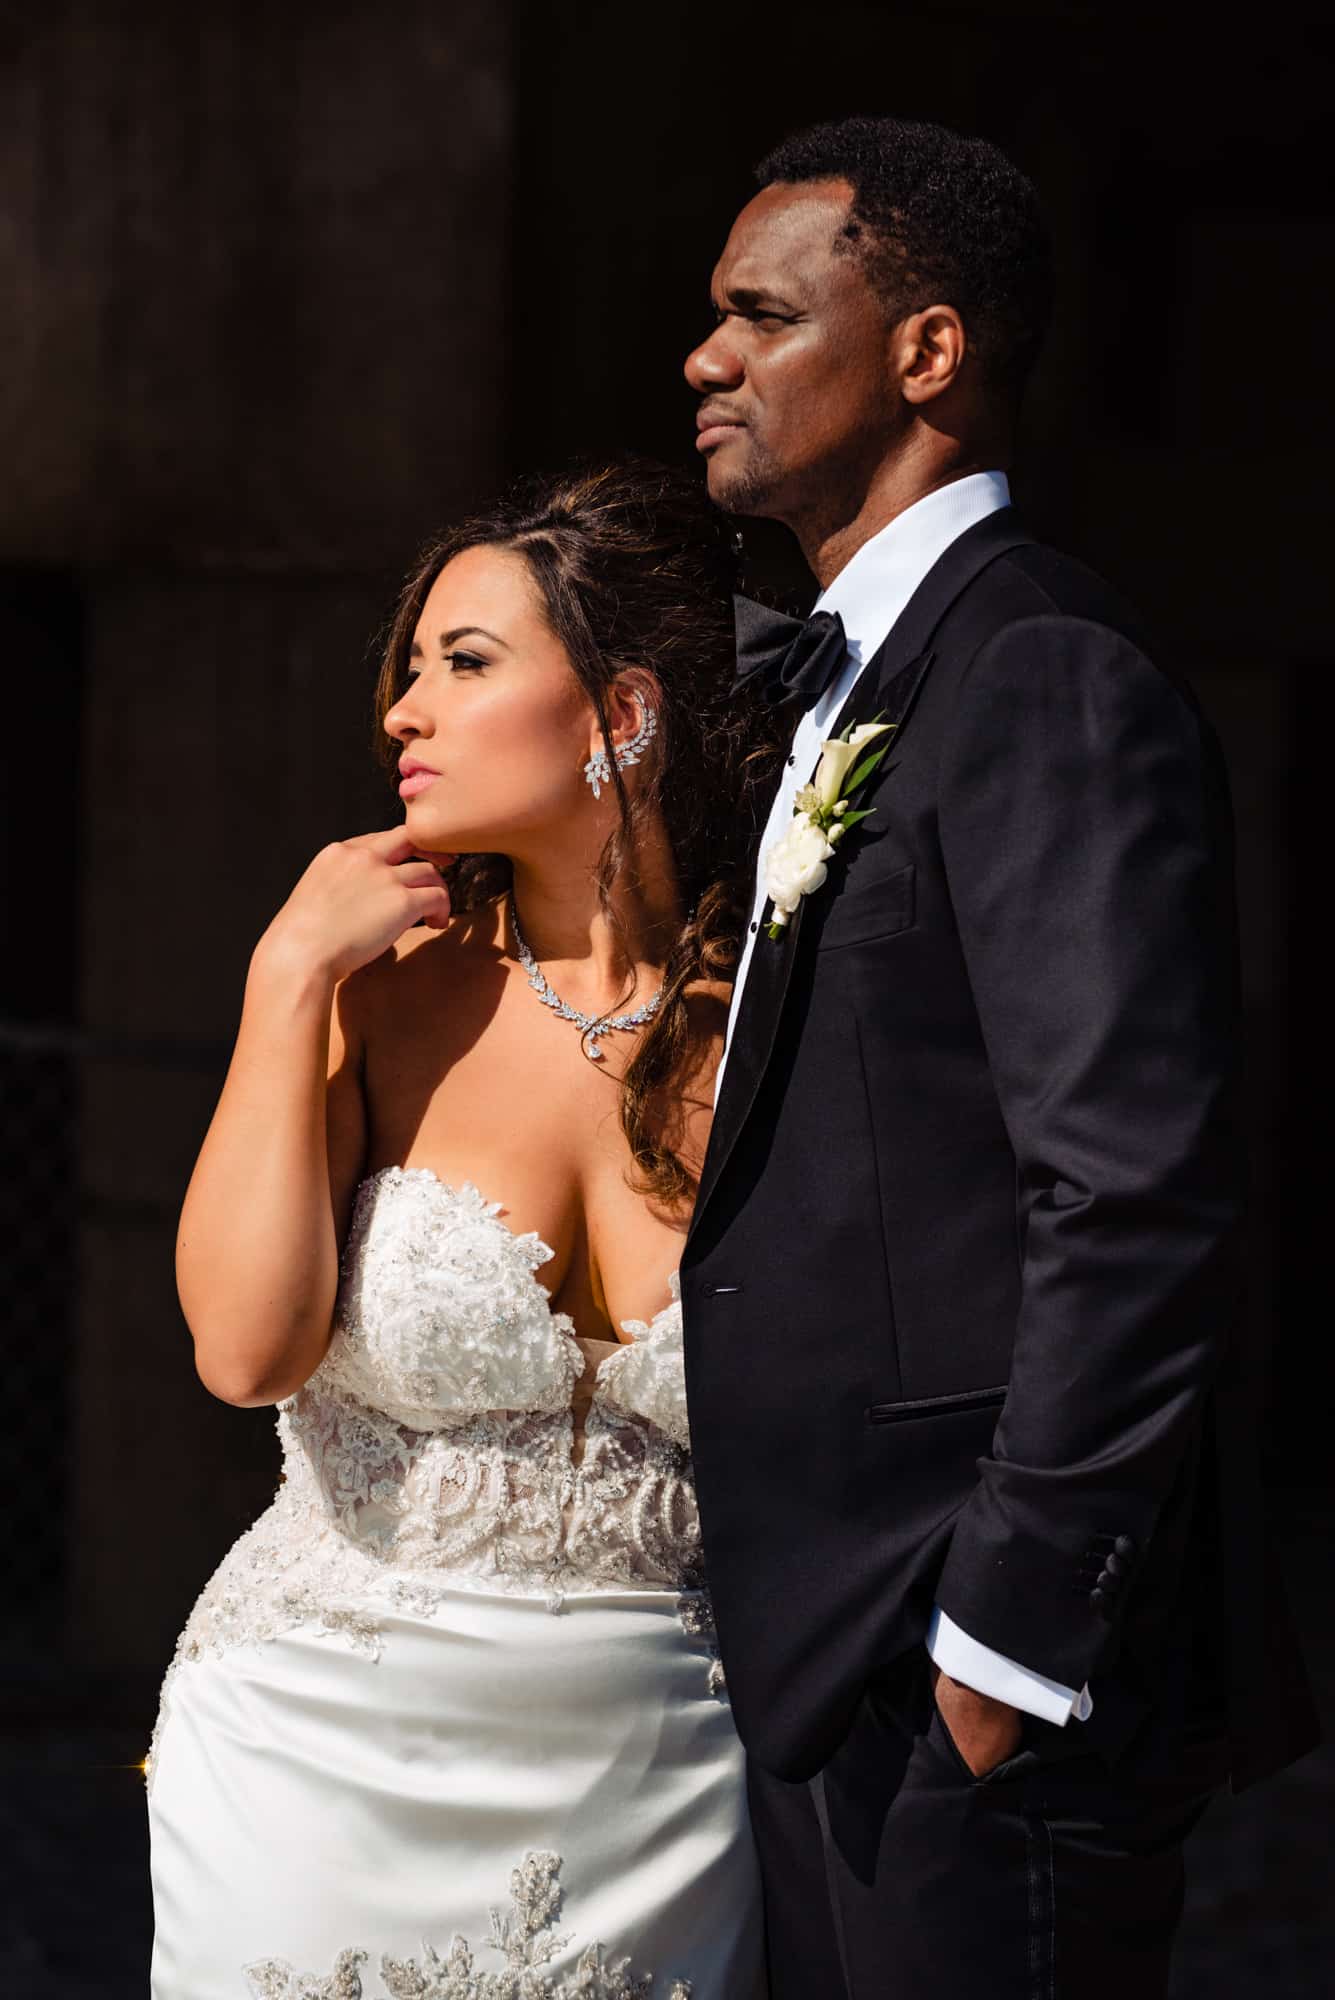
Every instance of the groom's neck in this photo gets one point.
(840, 519)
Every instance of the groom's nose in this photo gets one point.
(716, 363)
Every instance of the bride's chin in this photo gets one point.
(436, 837)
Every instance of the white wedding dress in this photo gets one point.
(447, 1722)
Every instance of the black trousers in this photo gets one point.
(898, 1875)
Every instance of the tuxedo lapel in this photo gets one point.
(896, 673)
(749, 1050)
(889, 688)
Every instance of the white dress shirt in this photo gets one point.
(869, 593)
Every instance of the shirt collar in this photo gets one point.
(877, 582)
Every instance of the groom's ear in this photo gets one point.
(929, 349)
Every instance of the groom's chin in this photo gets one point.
(737, 488)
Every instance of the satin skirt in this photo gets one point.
(505, 1788)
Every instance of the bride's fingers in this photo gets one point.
(433, 906)
(391, 843)
(418, 875)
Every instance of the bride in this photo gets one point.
(447, 1721)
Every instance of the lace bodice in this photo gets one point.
(440, 1317)
(437, 1434)
(433, 1447)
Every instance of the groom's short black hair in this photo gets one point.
(941, 219)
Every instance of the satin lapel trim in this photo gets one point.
(772, 960)
(892, 699)
(752, 1042)
(908, 642)
(890, 685)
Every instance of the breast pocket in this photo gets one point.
(866, 911)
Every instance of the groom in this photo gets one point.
(971, 1411)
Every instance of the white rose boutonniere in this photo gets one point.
(795, 864)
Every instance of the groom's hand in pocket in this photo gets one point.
(984, 1731)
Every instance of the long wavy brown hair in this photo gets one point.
(636, 569)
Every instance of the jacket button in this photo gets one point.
(1114, 1566)
(1096, 1599)
(1124, 1546)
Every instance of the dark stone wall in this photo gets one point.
(254, 259)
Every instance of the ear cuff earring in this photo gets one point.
(598, 772)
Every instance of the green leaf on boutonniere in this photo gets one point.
(852, 818)
(864, 769)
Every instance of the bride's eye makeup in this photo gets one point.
(463, 662)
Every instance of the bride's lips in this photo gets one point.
(414, 778)
(715, 427)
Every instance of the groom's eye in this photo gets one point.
(757, 315)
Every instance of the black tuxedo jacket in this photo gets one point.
(959, 1288)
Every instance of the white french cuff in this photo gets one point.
(991, 1673)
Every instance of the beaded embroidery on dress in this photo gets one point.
(524, 1937)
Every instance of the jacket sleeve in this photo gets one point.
(1085, 828)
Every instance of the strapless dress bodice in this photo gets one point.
(440, 1316)
(433, 1449)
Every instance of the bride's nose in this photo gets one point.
(404, 721)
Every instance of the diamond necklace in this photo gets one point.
(584, 1022)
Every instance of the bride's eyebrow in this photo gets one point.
(462, 632)
(448, 639)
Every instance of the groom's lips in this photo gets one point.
(715, 427)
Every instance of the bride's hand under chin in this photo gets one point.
(354, 901)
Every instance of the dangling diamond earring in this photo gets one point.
(598, 772)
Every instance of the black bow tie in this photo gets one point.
(787, 659)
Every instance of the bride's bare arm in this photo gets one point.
(258, 1246)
